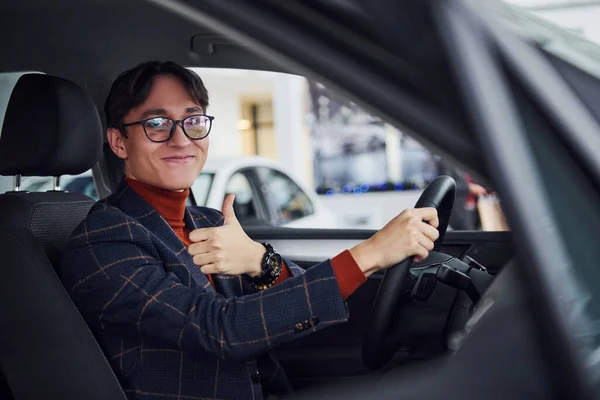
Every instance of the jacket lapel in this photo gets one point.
(126, 199)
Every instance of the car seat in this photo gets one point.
(51, 128)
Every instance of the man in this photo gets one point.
(184, 304)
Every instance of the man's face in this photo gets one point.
(171, 165)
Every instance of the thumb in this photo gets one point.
(228, 213)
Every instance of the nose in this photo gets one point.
(179, 139)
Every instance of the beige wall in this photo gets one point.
(266, 133)
(281, 101)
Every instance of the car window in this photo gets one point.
(245, 198)
(84, 185)
(349, 159)
(360, 171)
(290, 201)
(36, 185)
(70, 183)
(368, 171)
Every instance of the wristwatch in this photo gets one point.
(270, 266)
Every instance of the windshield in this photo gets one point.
(566, 29)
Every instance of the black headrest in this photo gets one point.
(51, 128)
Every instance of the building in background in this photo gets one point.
(356, 152)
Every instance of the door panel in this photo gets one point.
(335, 353)
(310, 246)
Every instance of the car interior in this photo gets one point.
(456, 325)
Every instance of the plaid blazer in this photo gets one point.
(166, 332)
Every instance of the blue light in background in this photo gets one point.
(346, 189)
(364, 187)
(329, 193)
(357, 191)
(398, 187)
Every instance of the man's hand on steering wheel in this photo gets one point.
(412, 233)
(415, 232)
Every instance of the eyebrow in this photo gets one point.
(161, 112)
(154, 112)
(190, 110)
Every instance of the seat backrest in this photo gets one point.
(51, 128)
(51, 217)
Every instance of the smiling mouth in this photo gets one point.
(179, 159)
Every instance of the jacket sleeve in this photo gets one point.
(113, 274)
(294, 271)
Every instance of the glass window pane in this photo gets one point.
(291, 201)
(245, 201)
(84, 185)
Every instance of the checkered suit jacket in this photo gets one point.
(166, 332)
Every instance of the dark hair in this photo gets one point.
(132, 88)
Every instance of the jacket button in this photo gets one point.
(256, 377)
(298, 328)
(314, 321)
(306, 324)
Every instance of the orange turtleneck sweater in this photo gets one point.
(171, 206)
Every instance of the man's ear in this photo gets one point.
(117, 143)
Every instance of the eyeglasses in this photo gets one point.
(162, 129)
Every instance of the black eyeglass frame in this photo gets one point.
(172, 132)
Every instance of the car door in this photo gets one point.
(288, 203)
(370, 49)
(250, 206)
(334, 355)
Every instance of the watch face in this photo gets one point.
(271, 269)
(274, 261)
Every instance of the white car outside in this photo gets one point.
(288, 201)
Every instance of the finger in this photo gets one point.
(199, 248)
(201, 234)
(228, 212)
(428, 214)
(426, 243)
(204, 259)
(430, 232)
(208, 269)
(420, 253)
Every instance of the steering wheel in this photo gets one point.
(378, 348)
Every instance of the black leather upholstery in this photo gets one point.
(46, 349)
(51, 127)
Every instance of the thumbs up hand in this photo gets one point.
(228, 211)
(226, 249)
